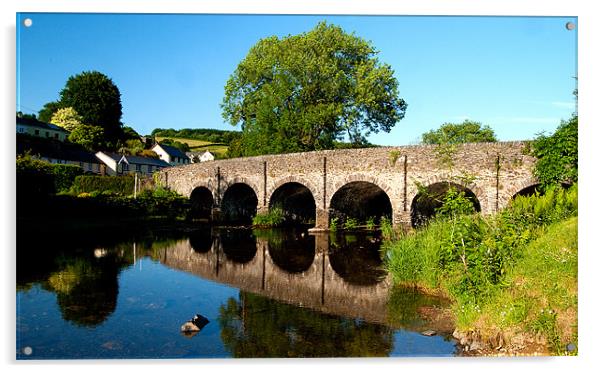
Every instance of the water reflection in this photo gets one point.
(356, 259)
(291, 250)
(239, 245)
(256, 326)
(298, 295)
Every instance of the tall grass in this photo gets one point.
(480, 262)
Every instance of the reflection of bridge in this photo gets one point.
(319, 287)
(373, 182)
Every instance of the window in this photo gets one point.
(21, 129)
(138, 168)
(125, 167)
(89, 166)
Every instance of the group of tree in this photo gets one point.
(204, 134)
(89, 106)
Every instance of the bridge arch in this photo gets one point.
(296, 197)
(201, 203)
(424, 203)
(510, 191)
(360, 198)
(239, 203)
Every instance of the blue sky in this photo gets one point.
(512, 73)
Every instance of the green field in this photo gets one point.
(199, 145)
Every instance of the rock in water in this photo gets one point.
(194, 326)
(429, 333)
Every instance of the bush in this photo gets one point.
(36, 178)
(474, 252)
(123, 185)
(273, 218)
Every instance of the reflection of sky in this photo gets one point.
(414, 344)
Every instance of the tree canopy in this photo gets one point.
(304, 92)
(557, 154)
(458, 133)
(97, 102)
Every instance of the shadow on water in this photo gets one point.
(239, 245)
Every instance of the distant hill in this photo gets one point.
(208, 135)
(219, 149)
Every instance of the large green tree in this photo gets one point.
(304, 92)
(97, 100)
(458, 133)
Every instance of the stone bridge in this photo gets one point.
(361, 183)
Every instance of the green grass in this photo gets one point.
(515, 272)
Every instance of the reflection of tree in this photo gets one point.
(356, 259)
(86, 289)
(256, 326)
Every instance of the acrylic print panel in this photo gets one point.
(253, 186)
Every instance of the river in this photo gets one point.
(265, 293)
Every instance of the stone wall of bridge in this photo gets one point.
(494, 172)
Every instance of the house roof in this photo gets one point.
(134, 159)
(174, 152)
(53, 149)
(37, 123)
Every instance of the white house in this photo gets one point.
(117, 164)
(196, 157)
(171, 155)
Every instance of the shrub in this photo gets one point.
(370, 223)
(455, 203)
(333, 225)
(273, 218)
(36, 178)
(123, 185)
(350, 223)
(64, 176)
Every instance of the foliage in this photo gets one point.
(206, 134)
(36, 178)
(370, 223)
(273, 218)
(492, 266)
(350, 223)
(45, 115)
(458, 133)
(148, 153)
(394, 156)
(26, 116)
(334, 224)
(557, 155)
(66, 118)
(386, 228)
(90, 137)
(176, 144)
(97, 99)
(130, 134)
(306, 91)
(455, 203)
(123, 185)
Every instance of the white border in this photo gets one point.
(589, 83)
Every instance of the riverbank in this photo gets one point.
(512, 278)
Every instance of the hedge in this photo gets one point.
(123, 185)
(36, 178)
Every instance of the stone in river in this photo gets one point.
(429, 333)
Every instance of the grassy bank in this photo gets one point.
(512, 277)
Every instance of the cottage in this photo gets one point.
(171, 155)
(33, 127)
(118, 164)
(196, 157)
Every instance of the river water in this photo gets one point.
(265, 293)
